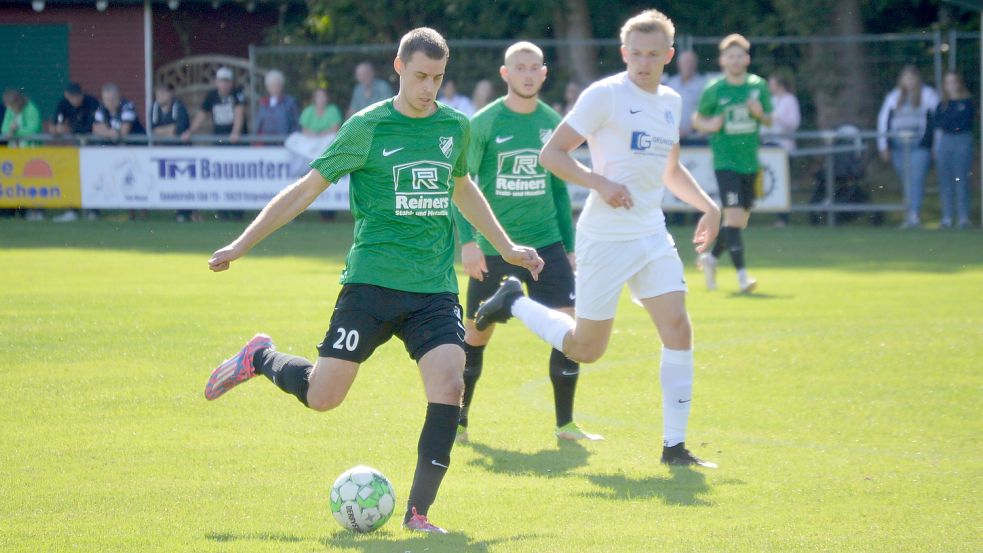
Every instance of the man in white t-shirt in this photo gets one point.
(631, 125)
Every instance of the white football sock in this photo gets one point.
(548, 324)
(742, 277)
(677, 393)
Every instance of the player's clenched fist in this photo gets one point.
(220, 259)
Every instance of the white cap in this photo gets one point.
(224, 73)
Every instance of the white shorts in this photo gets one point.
(650, 266)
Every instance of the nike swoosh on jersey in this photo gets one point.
(503, 139)
(634, 111)
(387, 153)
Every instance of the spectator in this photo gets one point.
(954, 119)
(115, 118)
(785, 119)
(570, 94)
(20, 118)
(278, 112)
(908, 107)
(460, 102)
(368, 89)
(321, 117)
(169, 119)
(482, 95)
(168, 116)
(689, 84)
(75, 113)
(225, 105)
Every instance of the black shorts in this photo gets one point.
(555, 287)
(367, 316)
(736, 189)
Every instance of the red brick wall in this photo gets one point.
(102, 46)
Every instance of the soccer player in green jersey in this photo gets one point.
(407, 160)
(732, 110)
(534, 207)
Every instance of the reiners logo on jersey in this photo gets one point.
(422, 188)
(447, 145)
(520, 174)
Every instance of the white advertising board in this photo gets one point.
(699, 161)
(193, 178)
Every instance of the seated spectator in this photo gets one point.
(116, 117)
(278, 112)
(321, 117)
(75, 113)
(169, 118)
(225, 105)
(368, 89)
(21, 118)
(482, 95)
(460, 102)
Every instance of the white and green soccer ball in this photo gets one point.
(362, 499)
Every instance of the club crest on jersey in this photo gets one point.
(545, 134)
(669, 118)
(446, 145)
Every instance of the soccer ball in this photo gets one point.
(362, 499)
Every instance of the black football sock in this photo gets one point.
(721, 244)
(736, 246)
(474, 359)
(433, 456)
(290, 373)
(563, 373)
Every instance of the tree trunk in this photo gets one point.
(842, 89)
(572, 21)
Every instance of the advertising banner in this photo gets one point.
(194, 178)
(699, 161)
(39, 178)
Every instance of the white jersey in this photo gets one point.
(630, 133)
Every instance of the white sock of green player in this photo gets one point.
(548, 324)
(677, 393)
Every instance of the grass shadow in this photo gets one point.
(684, 486)
(759, 296)
(372, 543)
(566, 457)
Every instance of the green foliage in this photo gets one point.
(842, 404)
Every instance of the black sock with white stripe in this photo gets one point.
(433, 456)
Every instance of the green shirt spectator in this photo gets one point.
(320, 117)
(22, 117)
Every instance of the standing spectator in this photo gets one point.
(368, 89)
(278, 112)
(909, 107)
(732, 111)
(75, 113)
(168, 116)
(689, 84)
(786, 118)
(115, 118)
(319, 120)
(169, 119)
(225, 105)
(482, 95)
(20, 118)
(460, 102)
(570, 94)
(321, 117)
(954, 119)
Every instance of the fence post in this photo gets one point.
(906, 176)
(830, 178)
(252, 87)
(937, 57)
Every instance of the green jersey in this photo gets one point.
(735, 145)
(402, 173)
(532, 205)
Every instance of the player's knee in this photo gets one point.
(324, 402)
(587, 353)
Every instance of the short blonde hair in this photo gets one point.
(647, 22)
(735, 39)
(523, 46)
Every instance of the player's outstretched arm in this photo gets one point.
(556, 158)
(681, 183)
(286, 205)
(475, 209)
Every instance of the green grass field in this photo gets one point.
(842, 403)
